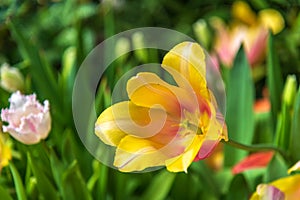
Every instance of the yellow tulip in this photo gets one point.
(164, 124)
(289, 187)
(5, 151)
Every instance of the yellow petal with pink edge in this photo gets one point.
(125, 118)
(288, 185)
(136, 154)
(188, 59)
(148, 90)
(184, 160)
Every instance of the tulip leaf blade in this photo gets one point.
(74, 186)
(276, 169)
(157, 190)
(274, 79)
(45, 187)
(295, 130)
(4, 194)
(18, 183)
(42, 74)
(239, 188)
(239, 113)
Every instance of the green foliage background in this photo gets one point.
(48, 40)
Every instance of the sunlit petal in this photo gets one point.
(148, 90)
(295, 167)
(181, 162)
(136, 154)
(126, 118)
(188, 59)
(289, 186)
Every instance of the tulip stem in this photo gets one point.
(256, 147)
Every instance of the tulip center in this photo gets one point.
(190, 126)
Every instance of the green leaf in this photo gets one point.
(239, 113)
(18, 182)
(274, 79)
(44, 185)
(4, 194)
(295, 130)
(40, 70)
(238, 188)
(160, 186)
(98, 180)
(283, 130)
(74, 185)
(276, 169)
(57, 169)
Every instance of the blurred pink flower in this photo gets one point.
(246, 29)
(28, 120)
(229, 40)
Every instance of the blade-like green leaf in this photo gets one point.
(44, 185)
(274, 79)
(160, 186)
(295, 130)
(18, 182)
(74, 185)
(57, 169)
(4, 194)
(239, 113)
(238, 189)
(276, 169)
(42, 74)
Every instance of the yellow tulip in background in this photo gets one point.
(5, 151)
(248, 29)
(287, 188)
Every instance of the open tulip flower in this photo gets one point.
(28, 120)
(164, 124)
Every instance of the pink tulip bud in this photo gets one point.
(28, 120)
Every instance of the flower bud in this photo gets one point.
(290, 89)
(11, 78)
(139, 45)
(28, 120)
(202, 32)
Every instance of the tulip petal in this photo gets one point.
(272, 19)
(148, 90)
(188, 59)
(256, 160)
(295, 167)
(269, 192)
(242, 11)
(136, 154)
(126, 118)
(181, 162)
(289, 186)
